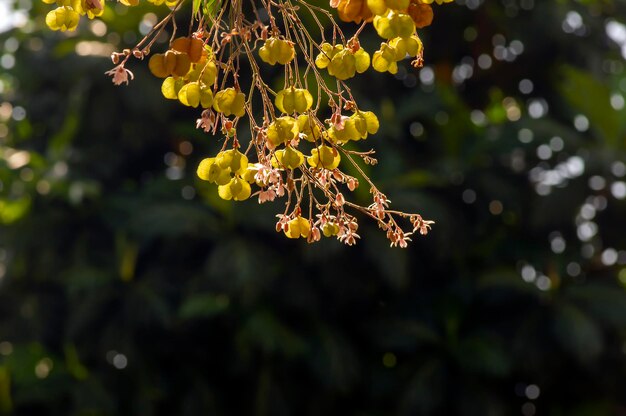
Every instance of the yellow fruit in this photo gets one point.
(91, 9)
(282, 130)
(362, 60)
(193, 95)
(385, 59)
(325, 157)
(326, 54)
(330, 229)
(233, 160)
(230, 102)
(204, 169)
(292, 100)
(354, 11)
(298, 227)
(171, 86)
(194, 48)
(393, 25)
(292, 158)
(378, 7)
(236, 189)
(210, 171)
(309, 130)
(397, 4)
(205, 72)
(62, 18)
(371, 121)
(422, 14)
(343, 65)
(169, 63)
(249, 174)
(277, 50)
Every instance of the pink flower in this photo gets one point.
(120, 74)
(265, 196)
(206, 121)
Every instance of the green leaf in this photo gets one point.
(593, 99)
(577, 333)
(211, 7)
(196, 6)
(203, 305)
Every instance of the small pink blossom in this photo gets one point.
(268, 195)
(206, 121)
(340, 200)
(314, 235)
(120, 74)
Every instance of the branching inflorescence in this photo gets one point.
(291, 154)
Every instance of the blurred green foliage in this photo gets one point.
(128, 288)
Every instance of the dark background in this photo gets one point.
(128, 288)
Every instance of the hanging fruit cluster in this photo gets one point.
(278, 144)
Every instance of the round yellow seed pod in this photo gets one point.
(404, 24)
(156, 64)
(326, 54)
(233, 160)
(63, 19)
(384, 27)
(282, 130)
(182, 63)
(349, 132)
(397, 4)
(230, 102)
(204, 72)
(193, 95)
(343, 65)
(309, 130)
(194, 48)
(325, 157)
(249, 174)
(330, 229)
(399, 45)
(378, 7)
(277, 50)
(222, 176)
(385, 59)
(293, 99)
(189, 94)
(298, 227)
(171, 86)
(362, 60)
(240, 190)
(414, 46)
(204, 169)
(292, 158)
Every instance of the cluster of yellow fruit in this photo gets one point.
(232, 173)
(68, 12)
(293, 152)
(190, 71)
